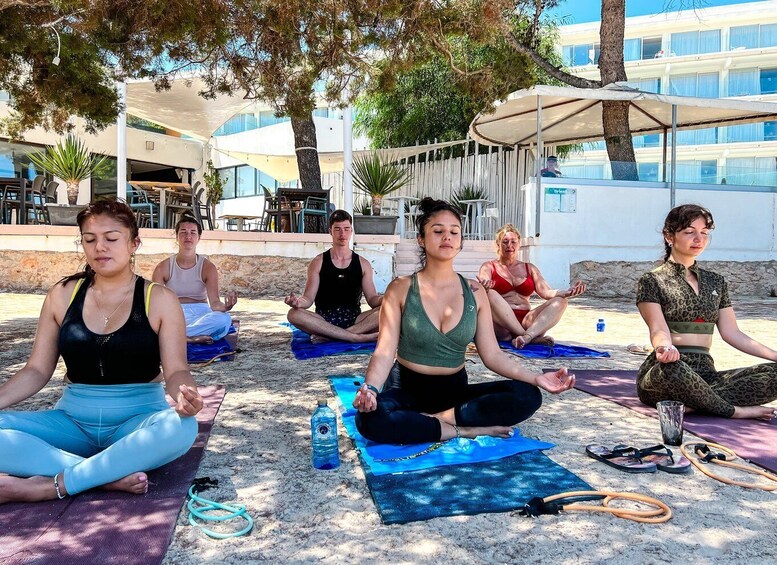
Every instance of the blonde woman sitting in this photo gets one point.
(510, 283)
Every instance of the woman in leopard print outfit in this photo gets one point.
(681, 304)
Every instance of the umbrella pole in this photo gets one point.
(538, 169)
(672, 186)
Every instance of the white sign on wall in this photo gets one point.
(560, 199)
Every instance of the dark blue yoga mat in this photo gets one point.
(380, 458)
(536, 351)
(204, 352)
(491, 486)
(303, 348)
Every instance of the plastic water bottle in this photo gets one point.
(323, 427)
(600, 325)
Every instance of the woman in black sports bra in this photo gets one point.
(115, 332)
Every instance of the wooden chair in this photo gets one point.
(178, 204)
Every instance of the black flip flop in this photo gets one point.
(662, 456)
(623, 460)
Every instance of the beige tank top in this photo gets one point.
(188, 283)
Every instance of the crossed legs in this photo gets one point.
(365, 328)
(534, 324)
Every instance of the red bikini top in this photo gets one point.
(503, 286)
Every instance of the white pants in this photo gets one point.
(201, 320)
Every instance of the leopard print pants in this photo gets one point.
(694, 381)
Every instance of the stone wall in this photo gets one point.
(619, 278)
(249, 276)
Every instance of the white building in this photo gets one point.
(728, 51)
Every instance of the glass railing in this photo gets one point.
(760, 172)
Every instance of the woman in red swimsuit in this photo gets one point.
(511, 282)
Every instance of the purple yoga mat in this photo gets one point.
(751, 439)
(108, 527)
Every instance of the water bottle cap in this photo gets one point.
(601, 319)
(322, 401)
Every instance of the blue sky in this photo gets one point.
(581, 11)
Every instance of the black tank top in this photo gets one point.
(127, 356)
(339, 287)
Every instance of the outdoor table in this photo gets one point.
(474, 215)
(401, 210)
(21, 182)
(163, 189)
(293, 195)
(240, 219)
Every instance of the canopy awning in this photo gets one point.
(284, 167)
(182, 108)
(574, 115)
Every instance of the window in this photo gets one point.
(770, 131)
(228, 176)
(709, 172)
(650, 47)
(648, 172)
(753, 36)
(632, 49)
(646, 84)
(246, 181)
(743, 82)
(580, 55)
(743, 37)
(768, 81)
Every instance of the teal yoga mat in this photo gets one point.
(464, 477)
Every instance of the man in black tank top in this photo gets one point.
(336, 281)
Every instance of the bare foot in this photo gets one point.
(544, 340)
(521, 341)
(754, 412)
(204, 339)
(493, 431)
(135, 483)
(32, 489)
(318, 339)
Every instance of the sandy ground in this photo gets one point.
(260, 453)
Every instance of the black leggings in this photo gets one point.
(398, 417)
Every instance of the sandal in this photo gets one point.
(623, 460)
(661, 455)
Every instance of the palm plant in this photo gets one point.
(71, 161)
(378, 179)
(467, 192)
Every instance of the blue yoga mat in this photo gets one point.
(451, 452)
(303, 348)
(491, 486)
(536, 351)
(203, 352)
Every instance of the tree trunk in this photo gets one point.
(307, 154)
(615, 115)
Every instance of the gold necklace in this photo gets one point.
(107, 318)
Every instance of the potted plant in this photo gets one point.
(377, 179)
(214, 187)
(71, 161)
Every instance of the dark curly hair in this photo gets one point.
(679, 218)
(429, 207)
(116, 209)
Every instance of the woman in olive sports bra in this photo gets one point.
(115, 332)
(427, 321)
(682, 304)
(513, 317)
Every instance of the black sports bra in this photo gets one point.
(129, 355)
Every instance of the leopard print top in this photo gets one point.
(683, 308)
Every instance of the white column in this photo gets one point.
(121, 143)
(348, 159)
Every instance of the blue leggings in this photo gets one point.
(398, 418)
(96, 434)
